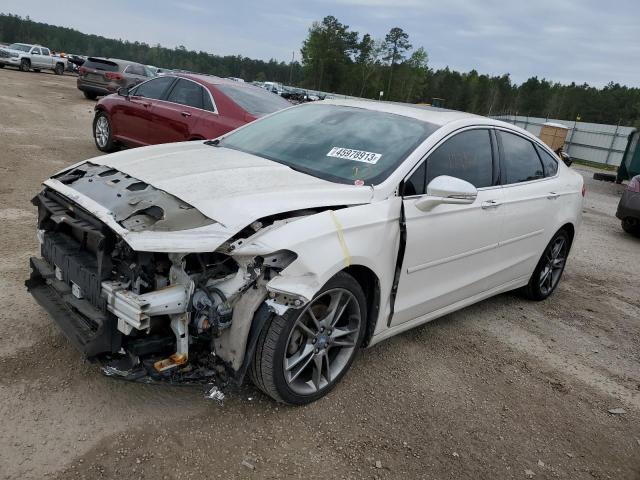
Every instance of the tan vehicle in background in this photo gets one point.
(103, 76)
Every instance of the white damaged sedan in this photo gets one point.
(283, 247)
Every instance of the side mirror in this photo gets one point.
(446, 189)
(124, 92)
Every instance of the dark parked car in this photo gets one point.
(179, 107)
(629, 207)
(103, 76)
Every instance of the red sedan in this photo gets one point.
(178, 107)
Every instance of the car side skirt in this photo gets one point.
(390, 332)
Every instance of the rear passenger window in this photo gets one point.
(467, 156)
(550, 163)
(188, 93)
(45, 51)
(521, 161)
(153, 88)
(135, 70)
(208, 104)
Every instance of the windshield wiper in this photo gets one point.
(213, 143)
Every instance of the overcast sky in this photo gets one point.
(593, 41)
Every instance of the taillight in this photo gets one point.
(82, 70)
(634, 184)
(113, 75)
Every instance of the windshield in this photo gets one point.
(100, 64)
(337, 143)
(254, 100)
(20, 46)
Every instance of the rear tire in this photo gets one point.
(302, 355)
(547, 274)
(59, 69)
(604, 177)
(25, 65)
(90, 95)
(631, 227)
(103, 133)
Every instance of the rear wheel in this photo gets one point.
(59, 69)
(631, 226)
(103, 133)
(303, 354)
(25, 65)
(547, 274)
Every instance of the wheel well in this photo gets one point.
(571, 231)
(370, 285)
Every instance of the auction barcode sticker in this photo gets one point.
(355, 155)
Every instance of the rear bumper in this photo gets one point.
(94, 89)
(629, 206)
(89, 329)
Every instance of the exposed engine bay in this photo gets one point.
(148, 316)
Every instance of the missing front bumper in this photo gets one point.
(90, 330)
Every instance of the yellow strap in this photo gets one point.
(343, 244)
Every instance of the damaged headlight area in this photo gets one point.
(144, 316)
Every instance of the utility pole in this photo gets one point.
(293, 56)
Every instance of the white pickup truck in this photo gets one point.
(31, 57)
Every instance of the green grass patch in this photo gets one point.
(600, 166)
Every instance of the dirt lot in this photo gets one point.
(503, 389)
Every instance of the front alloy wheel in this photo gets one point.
(102, 132)
(303, 354)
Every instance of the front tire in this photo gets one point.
(631, 226)
(303, 354)
(547, 274)
(103, 133)
(25, 65)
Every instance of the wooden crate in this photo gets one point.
(554, 135)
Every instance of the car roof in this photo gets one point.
(433, 115)
(114, 60)
(211, 79)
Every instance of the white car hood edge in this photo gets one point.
(230, 187)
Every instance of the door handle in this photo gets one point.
(490, 204)
(552, 195)
(185, 114)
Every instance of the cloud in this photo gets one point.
(567, 40)
(189, 7)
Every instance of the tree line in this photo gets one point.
(340, 60)
(14, 28)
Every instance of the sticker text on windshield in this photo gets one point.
(355, 155)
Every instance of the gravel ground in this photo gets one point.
(503, 389)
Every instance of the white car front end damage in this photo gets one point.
(218, 306)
